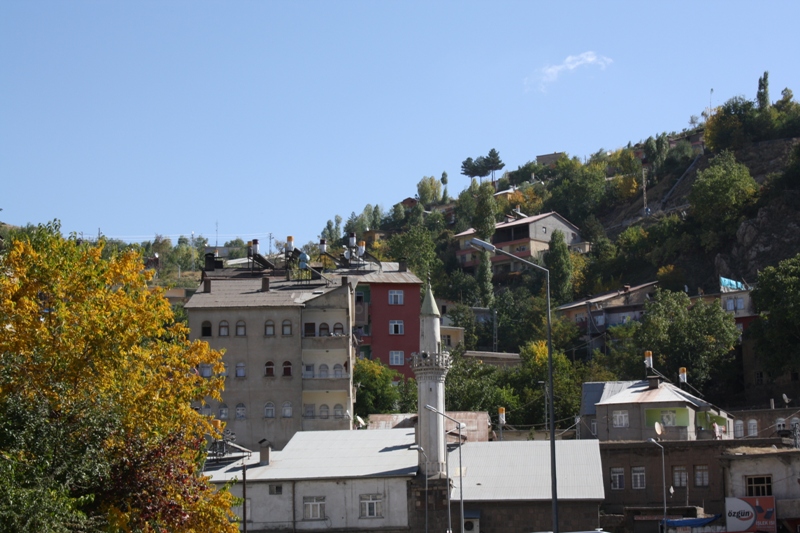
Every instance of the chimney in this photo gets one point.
(209, 264)
(265, 284)
(653, 382)
(402, 266)
(264, 454)
(344, 281)
(207, 285)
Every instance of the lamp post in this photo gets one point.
(483, 245)
(422, 451)
(460, 467)
(663, 481)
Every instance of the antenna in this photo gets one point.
(786, 400)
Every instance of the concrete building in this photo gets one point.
(527, 238)
(289, 353)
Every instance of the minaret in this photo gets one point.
(430, 367)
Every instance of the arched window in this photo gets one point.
(205, 329)
(223, 411)
(286, 412)
(223, 328)
(287, 327)
(269, 328)
(205, 370)
(338, 329)
(323, 370)
(241, 411)
(205, 410)
(224, 370)
(269, 369)
(795, 423)
(338, 411)
(780, 424)
(240, 370)
(338, 371)
(323, 411)
(241, 329)
(752, 428)
(738, 429)
(269, 410)
(324, 330)
(287, 369)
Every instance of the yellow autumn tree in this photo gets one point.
(90, 353)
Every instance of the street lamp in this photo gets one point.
(460, 467)
(663, 481)
(483, 245)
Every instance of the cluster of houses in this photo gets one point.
(645, 453)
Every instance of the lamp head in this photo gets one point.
(481, 245)
(431, 408)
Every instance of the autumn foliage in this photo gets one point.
(96, 379)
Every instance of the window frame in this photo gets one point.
(224, 328)
(680, 476)
(338, 411)
(638, 478)
(240, 412)
(393, 358)
(309, 410)
(205, 370)
(338, 371)
(286, 410)
(338, 329)
(620, 418)
(287, 369)
(757, 486)
(396, 297)
(752, 428)
(324, 370)
(222, 411)
(276, 489)
(396, 327)
(269, 328)
(370, 506)
(617, 476)
(241, 370)
(286, 328)
(269, 369)
(701, 476)
(324, 330)
(206, 329)
(738, 429)
(269, 410)
(324, 411)
(314, 508)
(310, 329)
(241, 328)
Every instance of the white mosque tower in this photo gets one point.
(430, 367)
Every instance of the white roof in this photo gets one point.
(640, 392)
(520, 470)
(334, 454)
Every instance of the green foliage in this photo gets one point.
(417, 248)
(577, 190)
(237, 248)
(429, 191)
(656, 151)
(680, 333)
(559, 264)
(483, 276)
(493, 162)
(375, 394)
(463, 317)
(485, 212)
(762, 96)
(465, 207)
(719, 196)
(776, 298)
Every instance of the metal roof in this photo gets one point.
(338, 454)
(246, 292)
(594, 392)
(598, 298)
(640, 392)
(520, 470)
(522, 221)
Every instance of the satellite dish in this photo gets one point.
(786, 399)
(360, 421)
(659, 428)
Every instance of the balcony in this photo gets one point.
(331, 342)
(329, 384)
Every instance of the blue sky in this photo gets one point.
(250, 118)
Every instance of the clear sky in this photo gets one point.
(137, 118)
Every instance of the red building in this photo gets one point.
(387, 316)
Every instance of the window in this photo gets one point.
(241, 371)
(241, 411)
(739, 303)
(224, 369)
(338, 329)
(324, 411)
(759, 485)
(309, 329)
(205, 329)
(287, 369)
(223, 411)
(223, 328)
(308, 371)
(679, 476)
(323, 370)
(205, 410)
(395, 297)
(287, 327)
(308, 410)
(396, 358)
(338, 371)
(269, 328)
(752, 428)
(324, 330)
(738, 429)
(338, 411)
(313, 507)
(286, 412)
(729, 304)
(371, 506)
(780, 424)
(269, 410)
(669, 418)
(205, 371)
(275, 490)
(795, 423)
(395, 327)
(620, 419)
(594, 427)
(269, 369)
(701, 476)
(241, 329)
(637, 478)
(759, 378)
(447, 340)
(617, 478)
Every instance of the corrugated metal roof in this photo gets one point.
(640, 392)
(603, 297)
(520, 470)
(340, 454)
(594, 392)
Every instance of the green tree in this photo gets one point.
(417, 248)
(762, 96)
(493, 162)
(719, 196)
(429, 191)
(483, 276)
(776, 298)
(237, 248)
(680, 333)
(465, 207)
(559, 264)
(375, 394)
(485, 212)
